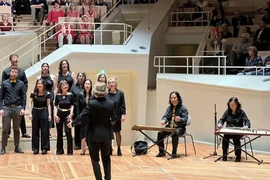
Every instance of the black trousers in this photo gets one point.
(236, 141)
(77, 135)
(40, 123)
(51, 123)
(175, 137)
(104, 147)
(59, 126)
(22, 126)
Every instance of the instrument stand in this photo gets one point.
(215, 137)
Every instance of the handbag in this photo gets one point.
(140, 147)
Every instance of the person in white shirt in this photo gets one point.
(202, 3)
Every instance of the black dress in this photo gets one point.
(49, 87)
(40, 121)
(64, 103)
(67, 78)
(120, 107)
(81, 104)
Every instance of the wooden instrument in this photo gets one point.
(241, 131)
(152, 128)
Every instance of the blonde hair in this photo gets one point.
(113, 78)
(100, 89)
(255, 50)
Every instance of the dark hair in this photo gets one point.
(221, 7)
(238, 104)
(199, 8)
(36, 89)
(48, 67)
(61, 83)
(180, 101)
(81, 72)
(104, 76)
(60, 66)
(90, 91)
(12, 55)
(14, 67)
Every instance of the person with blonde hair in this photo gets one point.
(100, 116)
(5, 25)
(117, 96)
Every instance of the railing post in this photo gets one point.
(187, 66)
(101, 43)
(225, 66)
(33, 53)
(94, 36)
(44, 38)
(171, 18)
(193, 64)
(218, 65)
(164, 68)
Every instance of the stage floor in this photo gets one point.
(45, 167)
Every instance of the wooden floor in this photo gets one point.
(45, 167)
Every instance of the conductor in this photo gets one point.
(101, 116)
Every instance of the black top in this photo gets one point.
(21, 76)
(81, 102)
(181, 111)
(76, 89)
(119, 100)
(235, 120)
(64, 101)
(40, 101)
(12, 93)
(48, 82)
(102, 117)
(67, 77)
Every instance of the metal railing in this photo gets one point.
(42, 38)
(166, 64)
(186, 18)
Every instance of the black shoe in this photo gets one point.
(70, 154)
(161, 154)
(237, 159)
(44, 152)
(36, 152)
(175, 156)
(18, 150)
(111, 150)
(119, 153)
(26, 135)
(224, 158)
(82, 153)
(77, 148)
(59, 152)
(3, 151)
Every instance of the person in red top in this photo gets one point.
(91, 13)
(4, 24)
(85, 35)
(66, 32)
(73, 11)
(53, 16)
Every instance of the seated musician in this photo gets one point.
(175, 117)
(234, 116)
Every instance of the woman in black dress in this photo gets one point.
(82, 101)
(50, 84)
(63, 112)
(64, 73)
(117, 96)
(76, 89)
(234, 116)
(40, 115)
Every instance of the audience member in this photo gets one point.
(238, 20)
(266, 17)
(66, 33)
(219, 20)
(4, 24)
(37, 6)
(262, 71)
(202, 3)
(262, 37)
(85, 31)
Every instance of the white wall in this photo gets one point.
(201, 92)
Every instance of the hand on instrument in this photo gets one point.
(162, 123)
(245, 127)
(177, 119)
(219, 126)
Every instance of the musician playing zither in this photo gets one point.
(175, 117)
(234, 116)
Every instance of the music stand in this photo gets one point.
(215, 137)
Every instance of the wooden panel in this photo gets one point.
(124, 84)
(5, 9)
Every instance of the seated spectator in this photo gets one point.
(251, 60)
(188, 4)
(238, 20)
(65, 3)
(218, 9)
(239, 51)
(37, 6)
(262, 71)
(202, 3)
(260, 10)
(218, 43)
(54, 15)
(5, 3)
(91, 13)
(261, 38)
(4, 24)
(266, 17)
(197, 16)
(86, 2)
(65, 33)
(85, 31)
(219, 20)
(181, 17)
(225, 32)
(73, 11)
(101, 3)
(248, 31)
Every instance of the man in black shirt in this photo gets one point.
(12, 106)
(21, 76)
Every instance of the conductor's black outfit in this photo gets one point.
(99, 133)
(40, 122)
